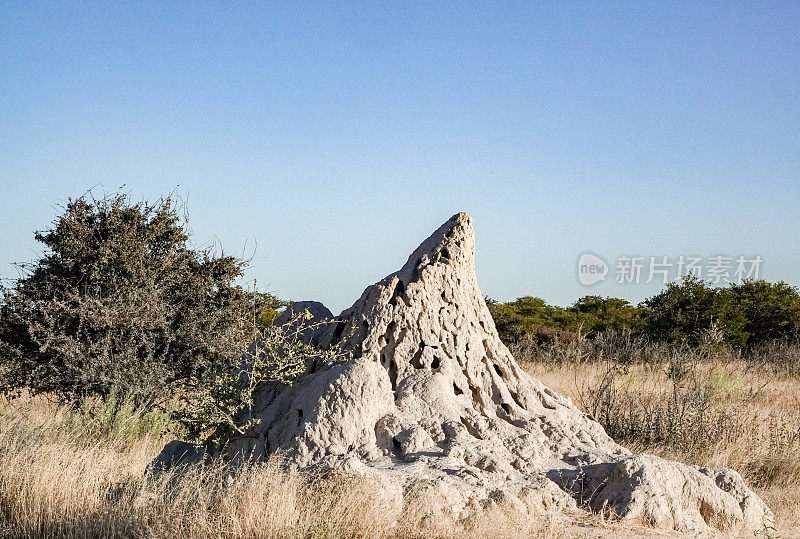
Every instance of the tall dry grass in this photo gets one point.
(706, 406)
(64, 475)
(81, 473)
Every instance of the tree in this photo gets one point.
(683, 311)
(530, 317)
(120, 303)
(597, 314)
(771, 310)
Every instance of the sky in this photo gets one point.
(325, 141)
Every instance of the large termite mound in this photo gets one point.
(428, 400)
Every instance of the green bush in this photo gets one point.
(770, 310)
(683, 311)
(597, 314)
(746, 314)
(531, 318)
(121, 304)
(223, 410)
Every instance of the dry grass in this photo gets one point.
(60, 476)
(82, 474)
(724, 414)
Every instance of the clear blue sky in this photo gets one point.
(337, 136)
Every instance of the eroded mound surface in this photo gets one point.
(429, 401)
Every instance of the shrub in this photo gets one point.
(679, 413)
(530, 319)
(597, 314)
(770, 310)
(746, 314)
(120, 303)
(683, 311)
(224, 409)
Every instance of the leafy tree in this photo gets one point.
(683, 311)
(531, 317)
(743, 315)
(597, 314)
(120, 303)
(771, 310)
(515, 320)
